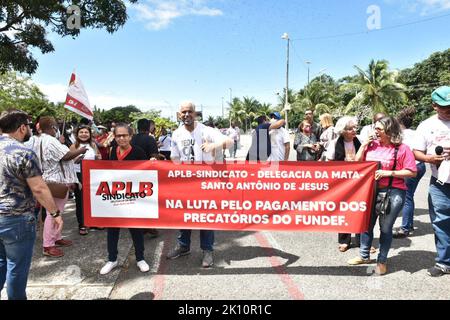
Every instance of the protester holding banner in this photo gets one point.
(21, 183)
(58, 168)
(397, 163)
(125, 152)
(344, 148)
(433, 147)
(83, 139)
(195, 142)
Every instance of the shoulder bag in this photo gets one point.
(383, 201)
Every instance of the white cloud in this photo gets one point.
(159, 14)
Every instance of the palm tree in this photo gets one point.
(265, 109)
(251, 107)
(375, 88)
(237, 111)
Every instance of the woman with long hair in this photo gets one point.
(305, 142)
(83, 139)
(397, 163)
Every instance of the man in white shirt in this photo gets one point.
(280, 141)
(433, 146)
(195, 142)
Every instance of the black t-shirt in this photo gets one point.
(136, 154)
(146, 143)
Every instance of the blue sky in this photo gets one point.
(175, 50)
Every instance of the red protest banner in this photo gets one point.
(294, 196)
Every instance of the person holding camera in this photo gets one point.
(397, 163)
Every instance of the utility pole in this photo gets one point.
(308, 63)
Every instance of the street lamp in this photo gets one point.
(308, 63)
(287, 107)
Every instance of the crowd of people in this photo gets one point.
(40, 168)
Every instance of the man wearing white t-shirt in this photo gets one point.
(195, 142)
(280, 141)
(433, 146)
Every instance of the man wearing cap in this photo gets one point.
(433, 146)
(280, 140)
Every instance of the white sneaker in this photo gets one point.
(143, 266)
(108, 267)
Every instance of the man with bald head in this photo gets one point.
(195, 142)
(369, 130)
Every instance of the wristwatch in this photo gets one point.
(55, 214)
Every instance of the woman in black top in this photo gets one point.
(125, 151)
(344, 148)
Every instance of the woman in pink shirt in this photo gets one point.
(385, 148)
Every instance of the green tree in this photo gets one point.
(376, 88)
(24, 25)
(237, 111)
(423, 79)
(252, 110)
(121, 114)
(17, 92)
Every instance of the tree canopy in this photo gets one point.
(24, 25)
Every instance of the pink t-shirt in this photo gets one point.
(385, 156)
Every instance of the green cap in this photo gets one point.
(441, 96)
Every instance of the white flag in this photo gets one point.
(77, 100)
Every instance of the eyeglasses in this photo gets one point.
(119, 136)
(351, 129)
(379, 129)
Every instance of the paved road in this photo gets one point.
(249, 265)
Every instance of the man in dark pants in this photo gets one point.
(21, 182)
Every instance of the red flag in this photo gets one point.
(77, 100)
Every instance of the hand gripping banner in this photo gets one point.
(289, 196)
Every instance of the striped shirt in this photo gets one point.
(52, 153)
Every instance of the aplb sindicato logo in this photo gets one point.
(124, 194)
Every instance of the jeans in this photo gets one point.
(17, 237)
(113, 239)
(408, 208)
(206, 239)
(386, 222)
(439, 206)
